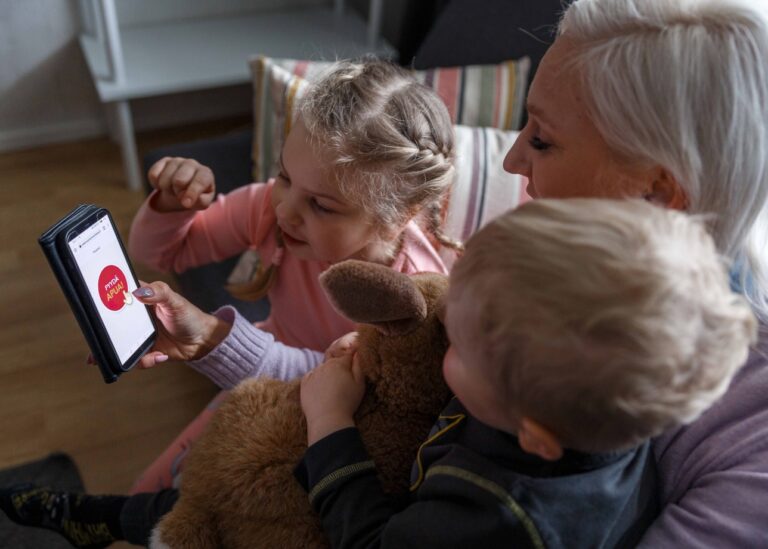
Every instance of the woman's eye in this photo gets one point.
(538, 144)
(319, 207)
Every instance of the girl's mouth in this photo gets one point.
(291, 241)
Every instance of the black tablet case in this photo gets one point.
(52, 243)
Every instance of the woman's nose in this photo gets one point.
(516, 160)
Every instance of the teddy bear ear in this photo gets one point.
(374, 294)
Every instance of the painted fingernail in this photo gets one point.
(144, 291)
(161, 358)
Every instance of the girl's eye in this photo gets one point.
(319, 207)
(284, 178)
(538, 144)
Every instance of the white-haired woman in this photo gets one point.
(668, 100)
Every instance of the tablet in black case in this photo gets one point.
(54, 245)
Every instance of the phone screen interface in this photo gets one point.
(104, 267)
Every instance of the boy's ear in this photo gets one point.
(536, 439)
(666, 191)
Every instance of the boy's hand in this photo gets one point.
(330, 396)
(184, 184)
(345, 345)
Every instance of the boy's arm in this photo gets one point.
(249, 352)
(447, 512)
(176, 241)
(453, 507)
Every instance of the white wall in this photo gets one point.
(45, 88)
(46, 92)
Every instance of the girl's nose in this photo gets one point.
(516, 160)
(287, 214)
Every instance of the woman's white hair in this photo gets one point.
(684, 84)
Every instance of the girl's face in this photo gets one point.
(560, 150)
(318, 223)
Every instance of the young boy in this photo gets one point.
(579, 329)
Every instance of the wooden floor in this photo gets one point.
(50, 399)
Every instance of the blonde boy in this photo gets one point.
(600, 323)
(579, 329)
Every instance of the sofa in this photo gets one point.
(466, 32)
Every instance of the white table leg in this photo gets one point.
(131, 166)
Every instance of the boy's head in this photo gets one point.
(596, 323)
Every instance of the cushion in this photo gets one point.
(479, 95)
(482, 189)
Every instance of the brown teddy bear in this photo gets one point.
(238, 489)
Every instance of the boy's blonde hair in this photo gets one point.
(388, 138)
(606, 321)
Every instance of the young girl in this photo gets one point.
(371, 150)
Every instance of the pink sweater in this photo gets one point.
(301, 315)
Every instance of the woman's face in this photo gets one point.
(560, 150)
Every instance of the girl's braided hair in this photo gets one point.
(389, 142)
(389, 138)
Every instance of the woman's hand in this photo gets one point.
(184, 184)
(330, 396)
(184, 332)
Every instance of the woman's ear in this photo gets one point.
(536, 439)
(665, 191)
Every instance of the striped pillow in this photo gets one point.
(479, 95)
(482, 189)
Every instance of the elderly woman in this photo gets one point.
(668, 100)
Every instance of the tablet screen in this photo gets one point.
(99, 257)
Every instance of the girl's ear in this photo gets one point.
(392, 233)
(666, 191)
(536, 439)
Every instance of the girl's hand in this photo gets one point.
(184, 332)
(330, 396)
(184, 184)
(345, 345)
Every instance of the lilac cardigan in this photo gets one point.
(714, 473)
(250, 352)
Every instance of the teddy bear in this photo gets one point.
(238, 489)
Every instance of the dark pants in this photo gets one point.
(142, 512)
